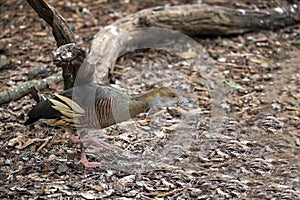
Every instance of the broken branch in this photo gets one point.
(24, 89)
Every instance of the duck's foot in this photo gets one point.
(88, 164)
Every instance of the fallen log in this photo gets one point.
(188, 19)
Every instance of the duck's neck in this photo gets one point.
(141, 103)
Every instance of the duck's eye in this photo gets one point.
(173, 96)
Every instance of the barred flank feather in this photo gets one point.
(104, 110)
(100, 116)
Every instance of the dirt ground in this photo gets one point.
(236, 137)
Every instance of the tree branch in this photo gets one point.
(24, 89)
(63, 36)
(61, 31)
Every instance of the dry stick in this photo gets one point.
(35, 94)
(61, 32)
(23, 89)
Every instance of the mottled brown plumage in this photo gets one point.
(95, 106)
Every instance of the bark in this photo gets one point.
(61, 31)
(214, 20)
(35, 71)
(70, 57)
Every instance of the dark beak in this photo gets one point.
(180, 102)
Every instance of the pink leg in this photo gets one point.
(90, 140)
(83, 158)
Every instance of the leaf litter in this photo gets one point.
(237, 135)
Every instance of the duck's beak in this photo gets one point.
(180, 102)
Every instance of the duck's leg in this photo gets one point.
(83, 158)
(94, 140)
(85, 161)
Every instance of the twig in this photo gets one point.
(172, 192)
(44, 144)
(35, 94)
